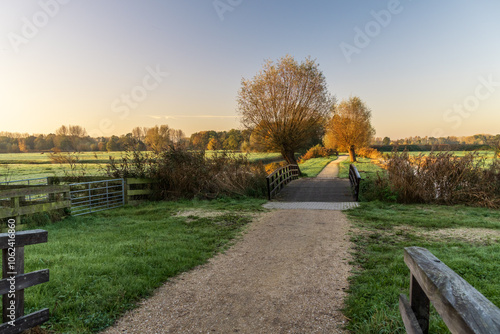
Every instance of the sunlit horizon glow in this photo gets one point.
(424, 68)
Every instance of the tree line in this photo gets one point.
(74, 138)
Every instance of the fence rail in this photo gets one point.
(14, 279)
(355, 180)
(279, 178)
(15, 200)
(463, 308)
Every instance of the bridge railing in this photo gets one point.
(279, 178)
(462, 308)
(355, 180)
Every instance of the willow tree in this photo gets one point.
(350, 127)
(286, 104)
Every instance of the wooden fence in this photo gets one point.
(14, 280)
(137, 190)
(18, 199)
(355, 180)
(279, 178)
(14, 203)
(463, 308)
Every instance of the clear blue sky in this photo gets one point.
(428, 68)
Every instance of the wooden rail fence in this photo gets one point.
(14, 281)
(355, 180)
(279, 178)
(462, 308)
(14, 203)
(137, 190)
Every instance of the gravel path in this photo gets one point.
(287, 274)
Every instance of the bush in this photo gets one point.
(444, 178)
(190, 174)
(376, 189)
(317, 151)
(368, 152)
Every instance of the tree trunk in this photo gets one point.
(352, 153)
(289, 157)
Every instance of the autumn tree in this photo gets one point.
(158, 138)
(286, 104)
(350, 127)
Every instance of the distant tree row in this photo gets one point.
(479, 140)
(74, 138)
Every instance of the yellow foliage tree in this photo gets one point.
(350, 127)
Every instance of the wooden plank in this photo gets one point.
(24, 238)
(463, 308)
(409, 319)
(25, 281)
(33, 190)
(26, 322)
(34, 208)
(139, 192)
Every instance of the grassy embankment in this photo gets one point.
(466, 239)
(102, 264)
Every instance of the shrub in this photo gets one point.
(368, 152)
(190, 174)
(377, 189)
(271, 167)
(444, 178)
(317, 151)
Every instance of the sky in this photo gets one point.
(425, 68)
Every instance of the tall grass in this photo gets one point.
(444, 178)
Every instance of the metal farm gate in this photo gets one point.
(89, 197)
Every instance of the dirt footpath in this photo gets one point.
(287, 274)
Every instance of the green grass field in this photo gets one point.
(466, 239)
(102, 264)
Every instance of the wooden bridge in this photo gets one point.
(326, 191)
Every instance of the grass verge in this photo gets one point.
(312, 167)
(466, 239)
(365, 167)
(102, 264)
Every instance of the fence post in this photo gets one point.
(7, 272)
(419, 304)
(15, 202)
(15, 280)
(268, 189)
